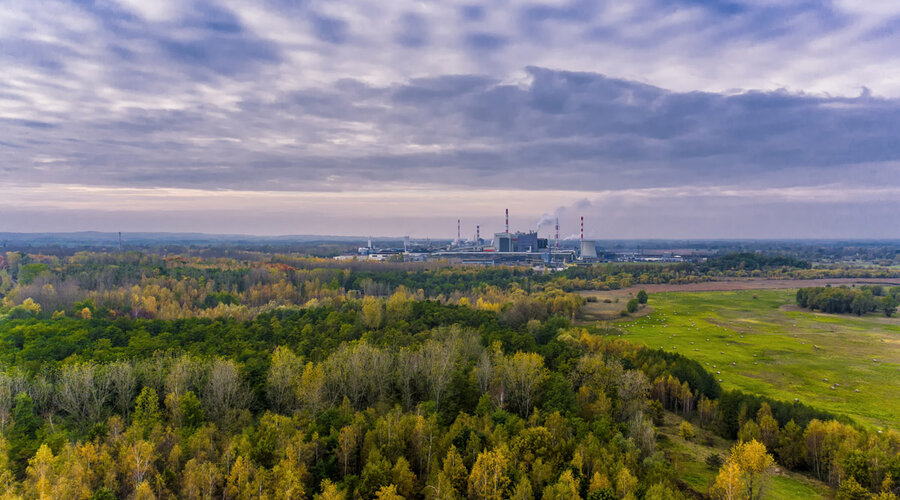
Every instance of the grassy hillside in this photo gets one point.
(758, 342)
(689, 459)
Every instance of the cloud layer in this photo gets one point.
(702, 107)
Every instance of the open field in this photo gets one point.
(744, 284)
(610, 303)
(752, 342)
(688, 458)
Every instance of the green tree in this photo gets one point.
(146, 409)
(632, 306)
(642, 296)
(889, 305)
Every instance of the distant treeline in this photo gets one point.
(844, 300)
(752, 261)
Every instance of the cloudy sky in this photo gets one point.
(651, 118)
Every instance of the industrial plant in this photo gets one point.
(505, 248)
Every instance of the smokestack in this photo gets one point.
(507, 221)
(477, 235)
(582, 228)
(557, 233)
(458, 237)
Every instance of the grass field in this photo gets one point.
(758, 342)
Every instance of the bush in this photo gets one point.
(714, 461)
(686, 430)
(632, 305)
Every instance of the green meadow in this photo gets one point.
(757, 341)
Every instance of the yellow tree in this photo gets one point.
(311, 390)
(372, 312)
(755, 464)
(564, 489)
(288, 476)
(240, 480)
(347, 445)
(40, 474)
(729, 483)
(330, 491)
(626, 484)
(388, 492)
(488, 480)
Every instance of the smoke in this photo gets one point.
(545, 220)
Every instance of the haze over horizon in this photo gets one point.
(684, 119)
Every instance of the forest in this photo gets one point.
(287, 377)
(845, 300)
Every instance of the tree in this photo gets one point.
(311, 389)
(642, 296)
(889, 305)
(330, 491)
(372, 312)
(564, 489)
(729, 483)
(632, 306)
(375, 474)
(40, 474)
(791, 448)
(686, 430)
(626, 483)
(146, 409)
(851, 490)
(488, 480)
(282, 379)
(454, 470)
(745, 471)
(82, 390)
(403, 478)
(239, 484)
(224, 390)
(756, 464)
(123, 380)
(768, 426)
(522, 375)
(438, 360)
(388, 492)
(523, 490)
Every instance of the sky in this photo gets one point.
(649, 118)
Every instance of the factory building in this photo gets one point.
(519, 242)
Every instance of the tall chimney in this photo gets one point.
(557, 233)
(477, 235)
(458, 237)
(507, 221)
(582, 228)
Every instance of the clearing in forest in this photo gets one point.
(847, 365)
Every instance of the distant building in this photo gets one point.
(520, 242)
(588, 249)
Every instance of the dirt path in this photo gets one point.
(745, 284)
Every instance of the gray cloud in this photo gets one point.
(321, 96)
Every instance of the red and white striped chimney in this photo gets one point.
(507, 221)
(557, 233)
(582, 228)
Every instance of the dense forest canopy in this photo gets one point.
(139, 376)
